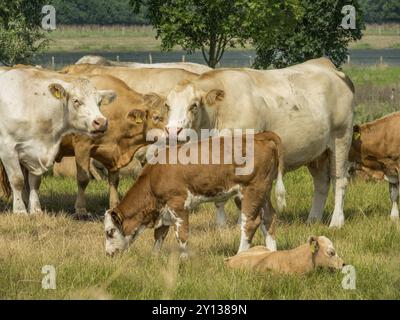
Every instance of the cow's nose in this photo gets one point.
(100, 124)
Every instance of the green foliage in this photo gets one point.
(317, 33)
(381, 11)
(214, 25)
(101, 12)
(20, 35)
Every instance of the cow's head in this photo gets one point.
(82, 101)
(121, 231)
(324, 254)
(189, 108)
(151, 114)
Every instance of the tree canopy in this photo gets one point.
(318, 32)
(21, 36)
(214, 25)
(381, 11)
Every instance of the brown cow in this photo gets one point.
(130, 116)
(317, 252)
(145, 80)
(165, 193)
(376, 150)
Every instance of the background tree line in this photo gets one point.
(106, 12)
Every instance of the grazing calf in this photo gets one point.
(165, 193)
(317, 252)
(376, 150)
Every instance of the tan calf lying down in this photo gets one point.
(317, 252)
(164, 194)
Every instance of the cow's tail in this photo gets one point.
(5, 187)
(280, 191)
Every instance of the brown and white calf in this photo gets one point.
(164, 194)
(376, 150)
(318, 252)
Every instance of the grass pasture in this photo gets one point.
(369, 241)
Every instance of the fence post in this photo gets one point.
(53, 62)
(150, 59)
(381, 60)
(348, 59)
(117, 58)
(183, 58)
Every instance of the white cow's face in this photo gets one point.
(325, 255)
(115, 239)
(83, 101)
(187, 108)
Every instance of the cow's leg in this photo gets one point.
(15, 176)
(339, 171)
(394, 196)
(181, 225)
(319, 170)
(26, 189)
(159, 237)
(34, 185)
(113, 182)
(238, 203)
(251, 218)
(221, 215)
(83, 178)
(268, 218)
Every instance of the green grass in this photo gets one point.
(369, 241)
(143, 38)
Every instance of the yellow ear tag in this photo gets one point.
(139, 120)
(357, 136)
(312, 247)
(57, 94)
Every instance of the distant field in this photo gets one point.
(142, 38)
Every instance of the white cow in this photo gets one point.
(188, 66)
(310, 106)
(37, 108)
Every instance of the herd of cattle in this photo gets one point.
(102, 110)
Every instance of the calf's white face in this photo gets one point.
(187, 108)
(115, 240)
(325, 254)
(83, 101)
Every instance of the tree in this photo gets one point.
(318, 33)
(215, 25)
(20, 35)
(381, 11)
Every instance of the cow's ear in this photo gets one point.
(153, 99)
(313, 243)
(213, 96)
(58, 91)
(116, 217)
(138, 116)
(356, 132)
(107, 96)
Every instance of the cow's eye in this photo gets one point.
(167, 107)
(331, 252)
(110, 233)
(76, 102)
(193, 107)
(156, 117)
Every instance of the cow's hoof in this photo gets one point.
(270, 243)
(184, 256)
(313, 220)
(83, 216)
(394, 218)
(337, 222)
(21, 212)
